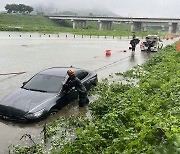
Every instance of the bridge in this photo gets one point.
(105, 22)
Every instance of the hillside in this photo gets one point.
(42, 24)
(16, 22)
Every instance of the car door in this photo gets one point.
(72, 94)
(83, 76)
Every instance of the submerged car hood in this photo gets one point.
(22, 101)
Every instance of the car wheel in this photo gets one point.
(95, 83)
(53, 111)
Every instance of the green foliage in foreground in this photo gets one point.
(41, 24)
(126, 118)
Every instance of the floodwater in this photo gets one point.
(31, 53)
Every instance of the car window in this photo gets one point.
(81, 74)
(47, 83)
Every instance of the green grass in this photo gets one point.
(41, 24)
(28, 23)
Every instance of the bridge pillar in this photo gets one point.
(172, 27)
(79, 24)
(163, 27)
(145, 28)
(136, 26)
(74, 24)
(178, 27)
(105, 25)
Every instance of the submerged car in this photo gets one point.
(152, 43)
(43, 94)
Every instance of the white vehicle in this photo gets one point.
(152, 43)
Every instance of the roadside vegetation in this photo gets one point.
(41, 24)
(140, 117)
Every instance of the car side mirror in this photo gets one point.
(62, 93)
(24, 83)
(72, 89)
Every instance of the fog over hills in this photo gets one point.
(125, 8)
(95, 12)
(80, 12)
(58, 7)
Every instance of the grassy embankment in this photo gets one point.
(125, 118)
(41, 24)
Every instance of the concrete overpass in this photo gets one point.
(105, 23)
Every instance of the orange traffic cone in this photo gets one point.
(141, 44)
(108, 53)
(178, 46)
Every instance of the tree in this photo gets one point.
(90, 14)
(21, 8)
(29, 9)
(8, 8)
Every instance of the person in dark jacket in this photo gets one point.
(74, 81)
(134, 42)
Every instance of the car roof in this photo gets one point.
(58, 71)
(152, 36)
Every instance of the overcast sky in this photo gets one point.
(134, 8)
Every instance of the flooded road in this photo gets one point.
(31, 53)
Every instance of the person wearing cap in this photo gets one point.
(134, 42)
(74, 81)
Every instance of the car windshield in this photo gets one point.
(45, 83)
(151, 38)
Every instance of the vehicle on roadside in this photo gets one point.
(42, 95)
(152, 43)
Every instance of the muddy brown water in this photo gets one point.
(31, 53)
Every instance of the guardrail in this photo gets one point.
(43, 36)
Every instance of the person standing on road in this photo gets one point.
(74, 81)
(134, 42)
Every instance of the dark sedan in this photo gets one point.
(43, 95)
